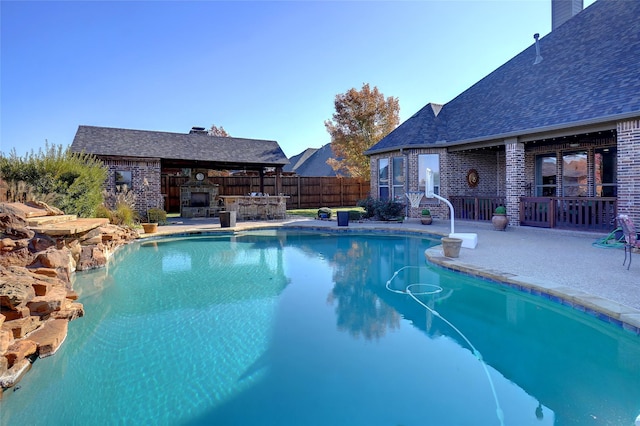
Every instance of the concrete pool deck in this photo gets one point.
(560, 265)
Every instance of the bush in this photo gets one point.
(355, 215)
(381, 210)
(69, 181)
(426, 212)
(500, 210)
(370, 206)
(103, 211)
(122, 215)
(155, 215)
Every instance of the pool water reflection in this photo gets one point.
(297, 328)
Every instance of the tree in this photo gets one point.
(218, 131)
(361, 119)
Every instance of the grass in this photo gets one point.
(313, 213)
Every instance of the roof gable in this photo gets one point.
(589, 73)
(313, 162)
(106, 141)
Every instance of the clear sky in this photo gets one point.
(263, 70)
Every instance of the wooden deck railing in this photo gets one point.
(580, 213)
(475, 208)
(586, 213)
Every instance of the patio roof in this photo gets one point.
(179, 148)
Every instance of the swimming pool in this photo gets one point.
(297, 328)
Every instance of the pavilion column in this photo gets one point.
(628, 135)
(261, 174)
(515, 179)
(278, 181)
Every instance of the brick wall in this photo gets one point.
(140, 169)
(629, 169)
(490, 168)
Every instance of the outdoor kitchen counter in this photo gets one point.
(259, 207)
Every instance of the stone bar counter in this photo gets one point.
(256, 207)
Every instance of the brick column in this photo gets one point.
(515, 179)
(629, 168)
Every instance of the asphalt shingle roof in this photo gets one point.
(590, 73)
(107, 141)
(312, 162)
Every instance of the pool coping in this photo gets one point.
(606, 310)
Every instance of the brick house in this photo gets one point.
(553, 134)
(139, 160)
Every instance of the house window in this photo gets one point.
(429, 161)
(605, 170)
(383, 178)
(123, 181)
(398, 179)
(574, 174)
(546, 182)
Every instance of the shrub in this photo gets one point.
(103, 211)
(426, 212)
(355, 215)
(390, 210)
(69, 181)
(382, 210)
(122, 215)
(113, 199)
(369, 205)
(500, 210)
(155, 215)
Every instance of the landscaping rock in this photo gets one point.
(13, 375)
(15, 291)
(36, 297)
(49, 337)
(20, 350)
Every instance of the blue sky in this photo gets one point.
(264, 70)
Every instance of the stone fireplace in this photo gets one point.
(198, 198)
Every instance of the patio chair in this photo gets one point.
(630, 237)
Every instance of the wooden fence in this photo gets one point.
(304, 192)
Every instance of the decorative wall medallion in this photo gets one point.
(473, 178)
(200, 176)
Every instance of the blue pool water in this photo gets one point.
(290, 328)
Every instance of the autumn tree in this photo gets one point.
(218, 131)
(361, 119)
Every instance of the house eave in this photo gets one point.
(527, 135)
